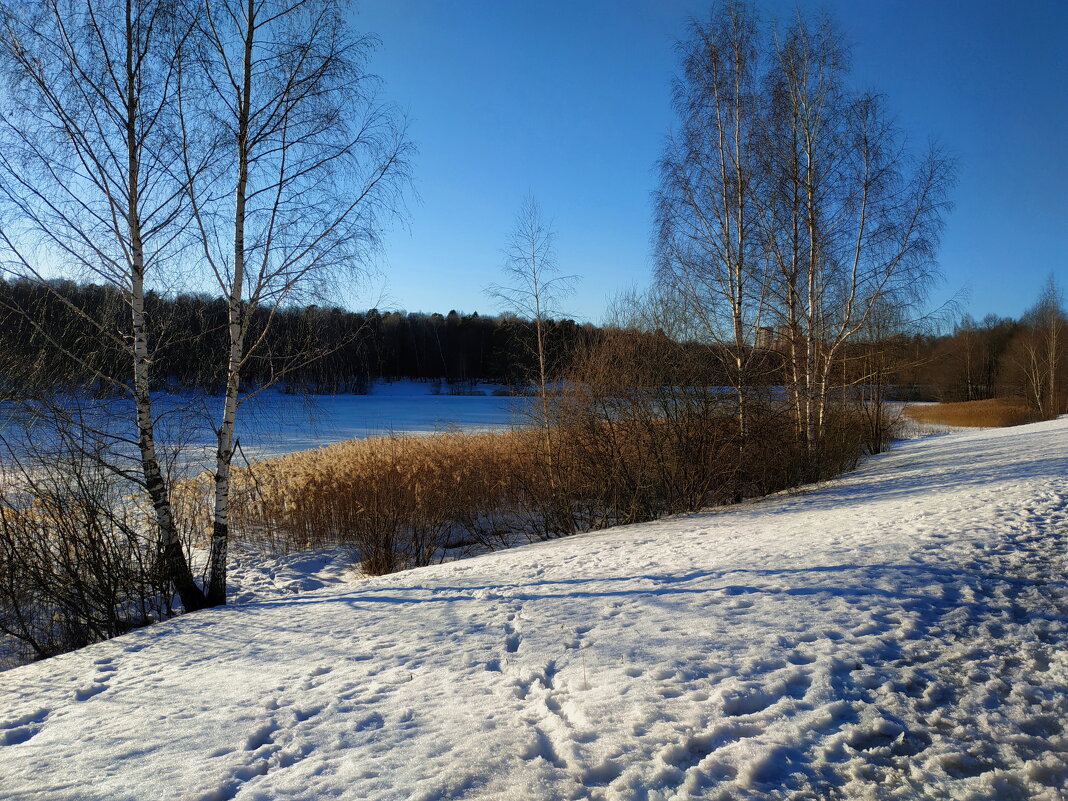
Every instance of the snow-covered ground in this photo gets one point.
(898, 633)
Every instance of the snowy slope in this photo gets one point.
(898, 633)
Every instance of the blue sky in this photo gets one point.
(571, 101)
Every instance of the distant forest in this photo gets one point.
(46, 338)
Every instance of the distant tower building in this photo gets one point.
(765, 337)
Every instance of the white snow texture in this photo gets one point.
(897, 633)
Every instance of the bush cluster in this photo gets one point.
(77, 562)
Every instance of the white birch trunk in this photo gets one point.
(237, 326)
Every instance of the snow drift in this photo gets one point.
(897, 633)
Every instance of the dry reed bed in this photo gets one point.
(410, 501)
(401, 501)
(404, 501)
(993, 413)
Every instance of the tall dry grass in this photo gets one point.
(400, 501)
(993, 413)
(639, 431)
(411, 501)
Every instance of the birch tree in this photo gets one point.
(151, 141)
(534, 288)
(292, 167)
(709, 239)
(88, 181)
(1039, 352)
(790, 202)
(856, 216)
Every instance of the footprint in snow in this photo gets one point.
(310, 682)
(263, 735)
(696, 748)
(512, 637)
(752, 698)
(19, 730)
(87, 692)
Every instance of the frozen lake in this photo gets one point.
(274, 423)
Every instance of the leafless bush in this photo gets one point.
(77, 561)
(645, 428)
(645, 418)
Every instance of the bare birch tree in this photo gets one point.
(1038, 352)
(789, 204)
(855, 217)
(88, 181)
(292, 166)
(709, 237)
(151, 140)
(534, 289)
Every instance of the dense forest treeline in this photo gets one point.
(996, 357)
(45, 333)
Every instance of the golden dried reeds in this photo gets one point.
(405, 501)
(993, 413)
(401, 501)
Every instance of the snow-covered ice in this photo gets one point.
(897, 633)
(273, 423)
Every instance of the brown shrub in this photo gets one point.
(77, 562)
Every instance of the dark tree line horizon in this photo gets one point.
(975, 360)
(349, 349)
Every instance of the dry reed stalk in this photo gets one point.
(401, 501)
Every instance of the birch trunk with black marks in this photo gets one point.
(170, 545)
(237, 317)
(311, 164)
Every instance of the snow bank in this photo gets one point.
(897, 633)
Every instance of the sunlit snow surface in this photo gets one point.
(898, 633)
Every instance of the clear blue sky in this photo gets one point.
(570, 100)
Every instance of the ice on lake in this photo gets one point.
(272, 423)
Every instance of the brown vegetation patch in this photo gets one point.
(993, 413)
(410, 501)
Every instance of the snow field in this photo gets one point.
(897, 633)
